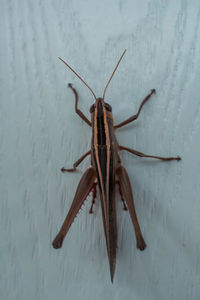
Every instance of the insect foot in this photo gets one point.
(178, 158)
(57, 243)
(153, 91)
(68, 170)
(141, 243)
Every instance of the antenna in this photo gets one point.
(78, 77)
(113, 73)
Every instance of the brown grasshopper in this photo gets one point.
(106, 170)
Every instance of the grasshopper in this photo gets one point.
(106, 171)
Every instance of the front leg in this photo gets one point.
(134, 117)
(78, 111)
(150, 156)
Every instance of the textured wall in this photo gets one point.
(40, 133)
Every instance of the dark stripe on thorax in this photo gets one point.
(101, 139)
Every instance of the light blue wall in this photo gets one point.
(40, 133)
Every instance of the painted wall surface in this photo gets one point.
(40, 133)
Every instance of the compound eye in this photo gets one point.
(92, 108)
(108, 107)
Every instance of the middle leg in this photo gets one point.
(150, 156)
(76, 163)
